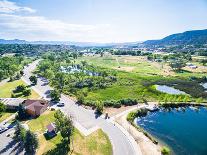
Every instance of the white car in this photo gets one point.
(61, 104)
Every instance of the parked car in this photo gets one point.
(2, 129)
(61, 104)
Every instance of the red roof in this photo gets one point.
(35, 105)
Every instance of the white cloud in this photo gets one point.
(41, 28)
(11, 7)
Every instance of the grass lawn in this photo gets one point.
(96, 143)
(7, 88)
(39, 124)
(5, 115)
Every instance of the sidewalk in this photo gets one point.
(144, 144)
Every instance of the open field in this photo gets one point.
(7, 88)
(96, 143)
(136, 77)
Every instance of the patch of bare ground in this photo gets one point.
(114, 111)
(199, 69)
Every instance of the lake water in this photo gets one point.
(168, 90)
(204, 85)
(185, 132)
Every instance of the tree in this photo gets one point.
(20, 88)
(65, 125)
(21, 72)
(2, 107)
(22, 114)
(55, 95)
(99, 107)
(33, 79)
(27, 92)
(31, 142)
(19, 133)
(177, 65)
(165, 151)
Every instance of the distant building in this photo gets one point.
(35, 107)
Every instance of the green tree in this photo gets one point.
(33, 79)
(65, 125)
(19, 133)
(165, 151)
(20, 88)
(2, 107)
(27, 92)
(55, 95)
(31, 142)
(177, 65)
(21, 113)
(99, 107)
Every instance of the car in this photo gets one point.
(2, 129)
(61, 104)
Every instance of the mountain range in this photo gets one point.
(185, 38)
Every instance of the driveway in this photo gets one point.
(84, 117)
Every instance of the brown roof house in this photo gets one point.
(35, 107)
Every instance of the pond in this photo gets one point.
(168, 90)
(184, 131)
(204, 85)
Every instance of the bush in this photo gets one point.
(99, 107)
(20, 88)
(128, 102)
(165, 151)
(27, 92)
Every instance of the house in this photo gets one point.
(35, 107)
(51, 130)
(11, 103)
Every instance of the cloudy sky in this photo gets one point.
(99, 20)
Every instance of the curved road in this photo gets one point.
(86, 118)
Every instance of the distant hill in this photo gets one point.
(185, 38)
(82, 44)
(15, 41)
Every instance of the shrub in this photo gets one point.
(99, 107)
(128, 102)
(165, 151)
(20, 88)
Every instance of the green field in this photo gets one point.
(7, 88)
(136, 77)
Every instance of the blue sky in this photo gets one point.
(99, 20)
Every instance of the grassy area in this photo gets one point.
(39, 124)
(96, 143)
(136, 76)
(7, 88)
(5, 115)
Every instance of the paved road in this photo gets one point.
(86, 118)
